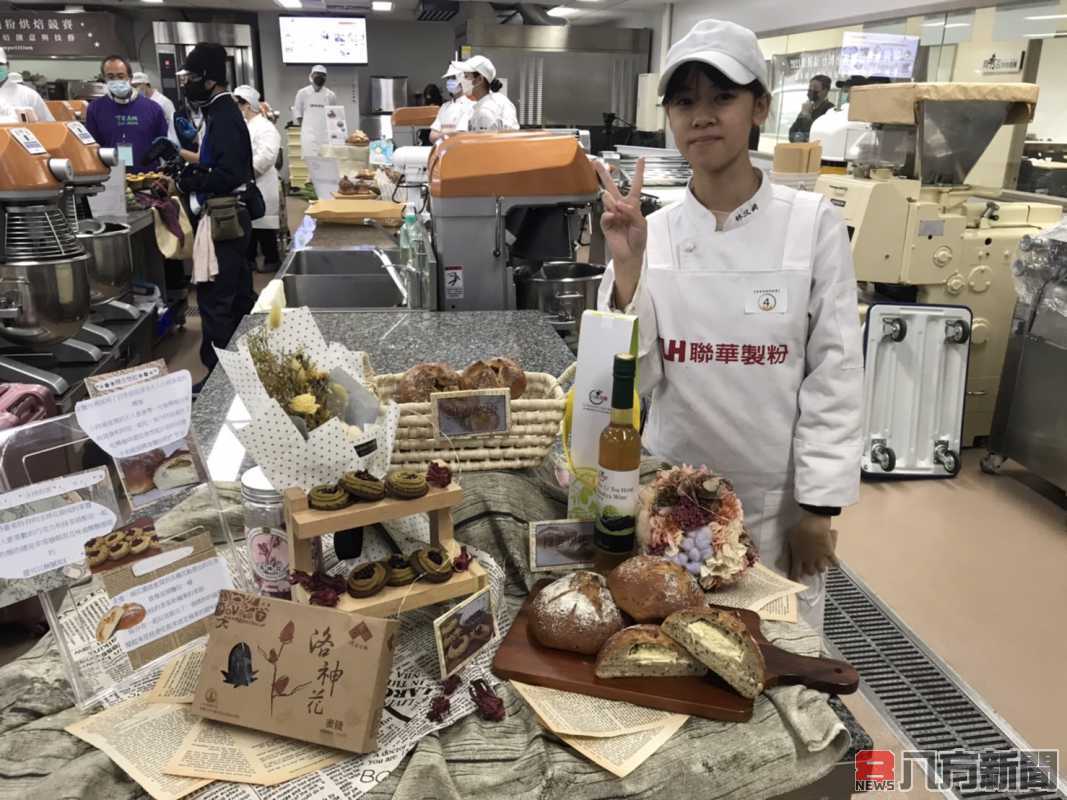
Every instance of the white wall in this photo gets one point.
(658, 20)
(766, 16)
(1050, 120)
(419, 50)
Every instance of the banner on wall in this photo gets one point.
(43, 34)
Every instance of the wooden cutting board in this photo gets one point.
(523, 659)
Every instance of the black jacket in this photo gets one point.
(225, 150)
(802, 126)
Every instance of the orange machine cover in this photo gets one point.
(510, 164)
(415, 116)
(60, 142)
(21, 171)
(67, 110)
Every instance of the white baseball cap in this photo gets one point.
(454, 70)
(249, 95)
(481, 65)
(726, 46)
(318, 68)
(139, 78)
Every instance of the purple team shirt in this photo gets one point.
(137, 124)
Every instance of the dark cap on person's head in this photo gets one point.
(209, 60)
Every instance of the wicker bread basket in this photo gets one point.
(535, 423)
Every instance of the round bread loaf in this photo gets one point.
(419, 382)
(496, 373)
(650, 589)
(575, 613)
(139, 470)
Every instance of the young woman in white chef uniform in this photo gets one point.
(749, 331)
(492, 110)
(456, 110)
(266, 144)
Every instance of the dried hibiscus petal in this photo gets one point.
(439, 707)
(490, 707)
(324, 597)
(451, 683)
(439, 475)
(463, 561)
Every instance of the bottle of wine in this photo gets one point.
(618, 473)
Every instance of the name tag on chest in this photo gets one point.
(767, 298)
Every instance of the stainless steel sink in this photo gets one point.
(344, 261)
(350, 278)
(342, 291)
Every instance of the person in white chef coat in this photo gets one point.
(453, 115)
(266, 144)
(309, 108)
(492, 111)
(14, 94)
(141, 83)
(749, 329)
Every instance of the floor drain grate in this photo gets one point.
(927, 703)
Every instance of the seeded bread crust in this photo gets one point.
(746, 675)
(625, 655)
(575, 613)
(650, 589)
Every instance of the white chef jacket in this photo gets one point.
(19, 95)
(266, 142)
(453, 114)
(494, 112)
(749, 346)
(165, 103)
(310, 104)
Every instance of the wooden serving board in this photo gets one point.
(521, 658)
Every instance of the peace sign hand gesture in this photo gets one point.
(625, 230)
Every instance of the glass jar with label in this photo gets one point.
(268, 547)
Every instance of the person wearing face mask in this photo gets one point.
(266, 144)
(744, 290)
(141, 83)
(814, 107)
(124, 118)
(14, 94)
(492, 111)
(224, 171)
(309, 108)
(453, 114)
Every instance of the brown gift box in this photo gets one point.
(797, 157)
(306, 672)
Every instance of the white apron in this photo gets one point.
(313, 134)
(730, 347)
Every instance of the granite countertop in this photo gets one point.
(395, 341)
(333, 235)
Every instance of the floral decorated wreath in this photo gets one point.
(694, 518)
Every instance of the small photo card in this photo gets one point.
(479, 412)
(463, 631)
(561, 544)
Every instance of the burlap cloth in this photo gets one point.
(793, 739)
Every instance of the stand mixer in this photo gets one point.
(67, 110)
(44, 270)
(919, 233)
(107, 243)
(501, 203)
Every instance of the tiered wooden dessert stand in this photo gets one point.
(304, 524)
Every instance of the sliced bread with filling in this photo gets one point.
(643, 651)
(722, 642)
